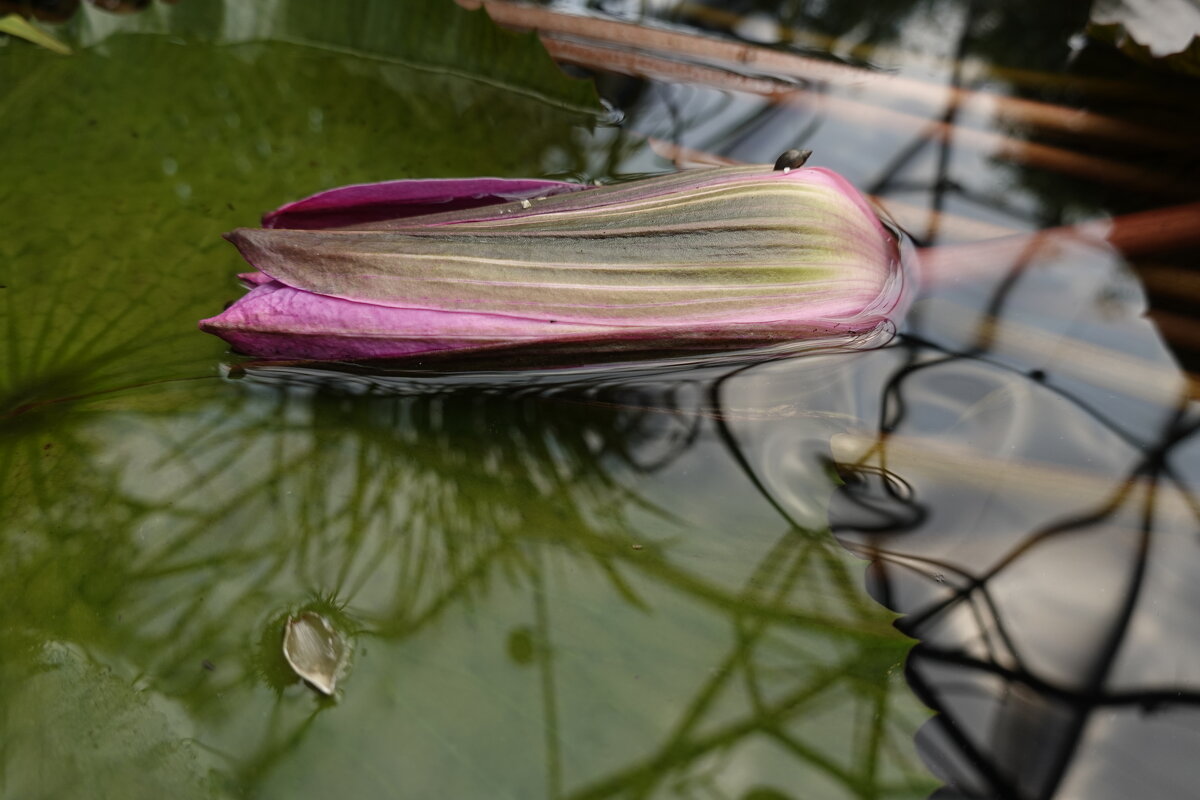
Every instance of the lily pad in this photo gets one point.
(123, 195)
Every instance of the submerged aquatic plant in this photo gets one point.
(702, 259)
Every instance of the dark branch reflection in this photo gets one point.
(1036, 531)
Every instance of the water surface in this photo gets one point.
(674, 581)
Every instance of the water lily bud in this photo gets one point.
(702, 259)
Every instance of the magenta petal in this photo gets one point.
(274, 320)
(277, 321)
(372, 202)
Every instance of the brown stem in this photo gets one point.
(1088, 85)
(1032, 154)
(1163, 230)
(1146, 233)
(553, 26)
(1176, 282)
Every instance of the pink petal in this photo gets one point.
(277, 321)
(843, 257)
(274, 320)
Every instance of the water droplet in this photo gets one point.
(314, 650)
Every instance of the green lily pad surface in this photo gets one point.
(545, 596)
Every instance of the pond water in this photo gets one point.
(690, 579)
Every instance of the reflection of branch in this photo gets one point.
(545, 656)
(693, 749)
(998, 784)
(959, 466)
(1094, 682)
(907, 455)
(785, 564)
(1081, 699)
(1162, 230)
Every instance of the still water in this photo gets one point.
(669, 580)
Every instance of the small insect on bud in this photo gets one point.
(792, 159)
